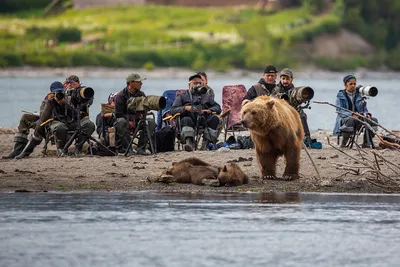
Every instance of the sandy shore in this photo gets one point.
(95, 173)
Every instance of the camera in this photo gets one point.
(59, 95)
(80, 95)
(283, 96)
(199, 89)
(150, 102)
(302, 94)
(367, 90)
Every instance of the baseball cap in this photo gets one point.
(287, 72)
(73, 78)
(56, 86)
(270, 69)
(134, 77)
(194, 77)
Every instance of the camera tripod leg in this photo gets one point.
(64, 150)
(99, 144)
(133, 137)
(149, 138)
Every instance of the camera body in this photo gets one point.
(199, 89)
(79, 95)
(368, 90)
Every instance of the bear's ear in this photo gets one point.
(225, 169)
(270, 103)
(246, 101)
(174, 163)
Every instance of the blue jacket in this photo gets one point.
(342, 101)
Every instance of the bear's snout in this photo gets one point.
(244, 123)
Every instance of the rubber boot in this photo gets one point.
(204, 144)
(188, 146)
(30, 147)
(19, 145)
(345, 140)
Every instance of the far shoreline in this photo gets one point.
(179, 72)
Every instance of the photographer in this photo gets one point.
(126, 118)
(346, 123)
(196, 104)
(28, 121)
(264, 86)
(284, 89)
(102, 122)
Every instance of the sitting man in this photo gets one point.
(28, 121)
(65, 110)
(264, 86)
(285, 88)
(107, 120)
(347, 123)
(195, 105)
(127, 119)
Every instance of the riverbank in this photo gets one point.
(338, 172)
(173, 72)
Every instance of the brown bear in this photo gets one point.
(232, 175)
(276, 130)
(192, 170)
(196, 171)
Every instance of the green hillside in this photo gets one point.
(161, 36)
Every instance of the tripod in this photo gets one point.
(143, 126)
(78, 131)
(303, 118)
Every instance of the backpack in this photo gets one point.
(165, 139)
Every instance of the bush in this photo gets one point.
(10, 59)
(342, 64)
(149, 65)
(393, 59)
(68, 35)
(8, 6)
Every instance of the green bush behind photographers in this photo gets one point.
(170, 40)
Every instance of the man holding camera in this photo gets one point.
(285, 89)
(28, 121)
(347, 123)
(127, 118)
(264, 86)
(70, 112)
(197, 107)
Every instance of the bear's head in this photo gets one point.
(258, 114)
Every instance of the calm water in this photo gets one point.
(27, 93)
(159, 229)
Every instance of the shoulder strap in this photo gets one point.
(261, 89)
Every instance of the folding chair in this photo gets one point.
(232, 96)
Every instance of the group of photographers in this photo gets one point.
(65, 112)
(65, 109)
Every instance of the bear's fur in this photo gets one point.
(232, 175)
(184, 172)
(196, 171)
(276, 130)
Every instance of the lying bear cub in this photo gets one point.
(196, 171)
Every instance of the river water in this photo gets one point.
(27, 93)
(177, 229)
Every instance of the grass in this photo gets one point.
(206, 38)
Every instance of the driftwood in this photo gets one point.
(370, 163)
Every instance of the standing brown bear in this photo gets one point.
(276, 130)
